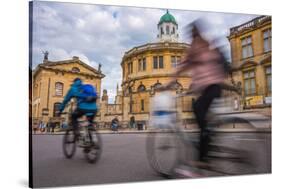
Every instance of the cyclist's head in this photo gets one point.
(77, 81)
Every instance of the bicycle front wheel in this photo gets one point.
(163, 152)
(94, 150)
(69, 144)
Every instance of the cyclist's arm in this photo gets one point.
(66, 99)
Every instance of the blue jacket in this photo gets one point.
(74, 92)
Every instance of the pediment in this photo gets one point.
(74, 66)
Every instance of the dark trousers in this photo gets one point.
(79, 113)
(201, 107)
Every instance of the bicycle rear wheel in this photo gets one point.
(163, 152)
(94, 150)
(240, 155)
(69, 144)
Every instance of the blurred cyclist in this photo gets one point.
(86, 96)
(207, 72)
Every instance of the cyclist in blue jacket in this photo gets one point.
(84, 105)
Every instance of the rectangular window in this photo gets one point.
(142, 105)
(158, 62)
(161, 63)
(130, 68)
(175, 60)
(140, 65)
(155, 62)
(268, 79)
(144, 64)
(249, 83)
(267, 40)
(167, 30)
(247, 49)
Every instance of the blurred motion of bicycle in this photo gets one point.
(169, 147)
(88, 139)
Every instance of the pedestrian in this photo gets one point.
(35, 127)
(53, 125)
(132, 122)
(48, 127)
(42, 127)
(114, 124)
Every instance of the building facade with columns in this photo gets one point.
(250, 45)
(50, 83)
(144, 69)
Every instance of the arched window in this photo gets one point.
(177, 86)
(157, 85)
(59, 89)
(75, 69)
(56, 109)
(141, 88)
(167, 30)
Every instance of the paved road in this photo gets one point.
(123, 160)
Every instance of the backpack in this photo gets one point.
(89, 93)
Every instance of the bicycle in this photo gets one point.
(89, 139)
(169, 147)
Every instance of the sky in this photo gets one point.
(102, 34)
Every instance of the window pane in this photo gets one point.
(266, 45)
(243, 42)
(142, 105)
(155, 62)
(268, 78)
(246, 87)
(161, 63)
(252, 74)
(144, 64)
(178, 59)
(268, 70)
(249, 40)
(253, 86)
(139, 64)
(250, 51)
(59, 89)
(167, 30)
(56, 109)
(244, 52)
(173, 61)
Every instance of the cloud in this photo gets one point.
(102, 34)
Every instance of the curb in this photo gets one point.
(263, 130)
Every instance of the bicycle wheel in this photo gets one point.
(241, 153)
(163, 152)
(94, 150)
(69, 144)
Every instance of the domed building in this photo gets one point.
(147, 67)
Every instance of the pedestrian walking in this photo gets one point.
(114, 124)
(132, 122)
(35, 127)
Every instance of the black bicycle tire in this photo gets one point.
(247, 163)
(150, 152)
(91, 133)
(66, 154)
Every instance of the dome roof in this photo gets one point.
(167, 18)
